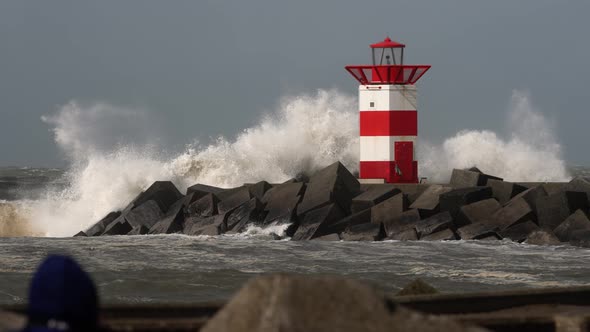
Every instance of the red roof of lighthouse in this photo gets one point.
(388, 43)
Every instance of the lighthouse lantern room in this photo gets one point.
(388, 114)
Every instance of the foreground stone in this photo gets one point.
(318, 303)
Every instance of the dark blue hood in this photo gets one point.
(62, 292)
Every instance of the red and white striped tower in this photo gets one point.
(388, 115)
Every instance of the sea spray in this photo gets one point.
(303, 135)
(530, 152)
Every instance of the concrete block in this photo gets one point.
(200, 190)
(98, 228)
(575, 222)
(372, 197)
(146, 214)
(446, 235)
(281, 202)
(463, 178)
(329, 237)
(206, 206)
(503, 191)
(580, 238)
(341, 225)
(453, 200)
(363, 232)
(118, 228)
(139, 230)
(476, 212)
(580, 184)
(428, 202)
(172, 222)
(553, 209)
(519, 232)
(434, 224)
(247, 213)
(259, 189)
(164, 193)
(515, 212)
(477, 231)
(406, 235)
(531, 196)
(238, 197)
(80, 234)
(210, 226)
(316, 221)
(401, 222)
(333, 184)
(542, 237)
(389, 209)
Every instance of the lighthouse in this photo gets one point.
(388, 114)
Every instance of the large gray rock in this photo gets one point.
(146, 214)
(211, 226)
(553, 209)
(519, 232)
(259, 189)
(503, 191)
(173, 220)
(206, 206)
(478, 211)
(341, 225)
(118, 227)
(453, 200)
(472, 177)
(283, 303)
(402, 222)
(281, 202)
(434, 224)
(516, 211)
(428, 202)
(478, 231)
(542, 237)
(363, 232)
(575, 222)
(315, 222)
(406, 235)
(373, 196)
(389, 209)
(531, 196)
(333, 184)
(251, 212)
(445, 235)
(99, 228)
(164, 193)
(239, 196)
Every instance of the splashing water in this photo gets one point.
(305, 134)
(530, 153)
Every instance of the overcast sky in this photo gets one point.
(179, 61)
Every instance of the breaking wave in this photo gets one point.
(113, 156)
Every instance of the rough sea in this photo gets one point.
(40, 209)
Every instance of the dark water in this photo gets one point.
(177, 269)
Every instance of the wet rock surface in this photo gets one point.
(332, 205)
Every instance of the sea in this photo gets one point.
(41, 208)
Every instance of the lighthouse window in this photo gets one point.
(372, 104)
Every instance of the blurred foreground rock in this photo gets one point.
(332, 204)
(288, 303)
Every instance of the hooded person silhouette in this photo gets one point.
(62, 297)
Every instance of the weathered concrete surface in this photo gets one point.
(389, 209)
(519, 232)
(373, 196)
(206, 206)
(503, 191)
(98, 228)
(575, 222)
(245, 214)
(352, 220)
(553, 209)
(405, 235)
(315, 221)
(428, 202)
(453, 200)
(363, 232)
(445, 235)
(281, 202)
(402, 222)
(478, 211)
(146, 214)
(542, 237)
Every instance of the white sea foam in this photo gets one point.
(304, 134)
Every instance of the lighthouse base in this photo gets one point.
(390, 171)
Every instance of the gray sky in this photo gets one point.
(171, 58)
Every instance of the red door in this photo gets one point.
(404, 156)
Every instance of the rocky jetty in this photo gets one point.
(333, 205)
